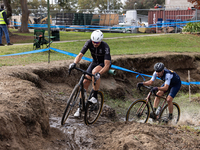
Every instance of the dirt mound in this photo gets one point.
(33, 96)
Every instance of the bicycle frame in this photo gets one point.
(81, 85)
(148, 98)
(78, 95)
(82, 90)
(139, 110)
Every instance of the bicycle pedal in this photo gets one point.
(165, 121)
(154, 120)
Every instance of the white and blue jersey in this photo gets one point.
(170, 78)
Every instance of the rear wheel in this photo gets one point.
(72, 104)
(165, 113)
(138, 111)
(93, 111)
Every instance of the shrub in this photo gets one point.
(192, 27)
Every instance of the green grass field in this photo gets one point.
(126, 45)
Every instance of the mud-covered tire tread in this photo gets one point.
(67, 111)
(87, 110)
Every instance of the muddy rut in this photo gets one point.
(33, 98)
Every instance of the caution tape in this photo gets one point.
(89, 59)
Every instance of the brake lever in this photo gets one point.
(139, 88)
(95, 81)
(69, 71)
(154, 92)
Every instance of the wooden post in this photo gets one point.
(189, 85)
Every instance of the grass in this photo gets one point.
(192, 105)
(126, 45)
(119, 106)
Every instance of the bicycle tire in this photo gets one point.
(165, 113)
(72, 103)
(93, 111)
(133, 112)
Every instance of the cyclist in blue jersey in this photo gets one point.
(172, 83)
(100, 52)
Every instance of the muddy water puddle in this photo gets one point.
(71, 122)
(76, 131)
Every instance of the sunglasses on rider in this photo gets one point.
(95, 42)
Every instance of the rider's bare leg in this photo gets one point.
(94, 71)
(86, 82)
(157, 99)
(170, 104)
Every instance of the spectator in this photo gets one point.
(3, 26)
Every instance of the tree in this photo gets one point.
(16, 7)
(67, 4)
(8, 7)
(196, 3)
(35, 4)
(86, 4)
(113, 4)
(25, 15)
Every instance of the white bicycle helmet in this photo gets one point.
(97, 36)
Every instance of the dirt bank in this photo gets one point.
(33, 98)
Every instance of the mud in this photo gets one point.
(33, 98)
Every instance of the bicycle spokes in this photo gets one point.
(138, 111)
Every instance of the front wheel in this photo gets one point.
(72, 104)
(138, 111)
(93, 111)
(165, 113)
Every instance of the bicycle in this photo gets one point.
(77, 100)
(139, 110)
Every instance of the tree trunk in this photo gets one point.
(25, 15)
(9, 11)
(8, 7)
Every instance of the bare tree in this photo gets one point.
(25, 15)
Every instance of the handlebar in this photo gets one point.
(148, 87)
(83, 72)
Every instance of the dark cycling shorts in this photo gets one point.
(93, 65)
(173, 90)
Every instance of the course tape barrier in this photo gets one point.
(29, 52)
(83, 27)
(89, 59)
(166, 23)
(92, 27)
(117, 67)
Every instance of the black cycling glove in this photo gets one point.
(139, 84)
(72, 66)
(154, 90)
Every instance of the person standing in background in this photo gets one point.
(3, 26)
